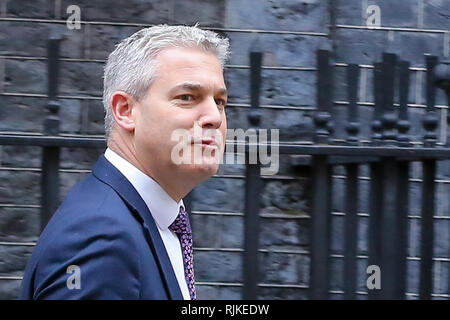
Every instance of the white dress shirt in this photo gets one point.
(163, 208)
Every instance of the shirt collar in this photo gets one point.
(163, 208)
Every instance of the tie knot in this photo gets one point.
(181, 224)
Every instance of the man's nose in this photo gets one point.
(211, 115)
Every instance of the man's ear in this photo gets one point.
(122, 105)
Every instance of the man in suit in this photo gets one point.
(123, 232)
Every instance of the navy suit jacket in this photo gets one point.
(104, 228)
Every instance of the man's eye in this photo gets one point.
(221, 102)
(186, 97)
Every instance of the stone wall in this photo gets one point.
(289, 32)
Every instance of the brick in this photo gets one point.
(279, 50)
(231, 169)
(416, 130)
(21, 156)
(336, 274)
(79, 158)
(360, 46)
(206, 292)
(29, 39)
(44, 9)
(13, 259)
(363, 235)
(339, 92)
(279, 87)
(286, 197)
(218, 266)
(133, 11)
(21, 114)
(283, 233)
(361, 276)
(231, 232)
(401, 13)
(441, 238)
(206, 230)
(412, 280)
(413, 248)
(28, 114)
(415, 198)
(442, 202)
(81, 78)
(268, 293)
(436, 14)
(28, 76)
(210, 13)
(19, 187)
(9, 289)
(96, 117)
(293, 125)
(23, 38)
(443, 170)
(308, 15)
(103, 39)
(350, 12)
(337, 233)
(67, 181)
(411, 46)
(283, 268)
(214, 194)
(19, 224)
(444, 277)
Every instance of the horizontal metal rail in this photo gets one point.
(379, 151)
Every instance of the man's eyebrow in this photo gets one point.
(195, 87)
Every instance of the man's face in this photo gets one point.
(183, 116)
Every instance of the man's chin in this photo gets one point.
(203, 170)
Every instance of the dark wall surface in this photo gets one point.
(289, 32)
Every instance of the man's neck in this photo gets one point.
(176, 187)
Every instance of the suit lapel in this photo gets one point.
(110, 175)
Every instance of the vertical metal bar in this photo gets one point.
(442, 81)
(377, 127)
(253, 188)
(375, 235)
(251, 237)
(427, 229)
(351, 192)
(431, 62)
(351, 232)
(430, 121)
(321, 177)
(389, 119)
(324, 81)
(401, 243)
(50, 155)
(403, 123)
(324, 93)
(352, 91)
(389, 170)
(389, 228)
(403, 184)
(321, 228)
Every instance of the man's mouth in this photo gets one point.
(210, 142)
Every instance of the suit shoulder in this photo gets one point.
(92, 229)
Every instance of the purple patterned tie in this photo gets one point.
(182, 228)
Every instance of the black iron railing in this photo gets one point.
(388, 154)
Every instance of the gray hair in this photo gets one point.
(131, 67)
